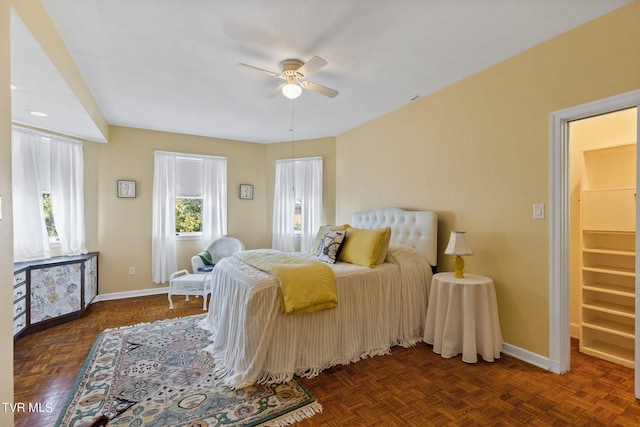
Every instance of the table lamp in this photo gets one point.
(458, 246)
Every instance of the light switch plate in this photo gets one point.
(538, 211)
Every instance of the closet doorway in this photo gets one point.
(561, 220)
(602, 228)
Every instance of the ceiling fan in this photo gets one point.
(294, 73)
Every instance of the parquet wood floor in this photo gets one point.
(410, 386)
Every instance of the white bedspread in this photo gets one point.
(252, 341)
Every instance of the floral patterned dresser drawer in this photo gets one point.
(19, 324)
(19, 292)
(19, 277)
(19, 307)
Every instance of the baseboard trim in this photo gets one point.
(132, 294)
(526, 356)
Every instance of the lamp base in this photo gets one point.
(458, 265)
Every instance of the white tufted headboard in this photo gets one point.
(415, 228)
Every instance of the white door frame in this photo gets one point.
(559, 339)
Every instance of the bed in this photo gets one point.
(252, 341)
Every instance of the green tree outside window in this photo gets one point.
(48, 215)
(188, 215)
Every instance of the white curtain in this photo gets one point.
(185, 175)
(67, 194)
(46, 163)
(214, 199)
(163, 234)
(309, 192)
(284, 205)
(297, 179)
(30, 238)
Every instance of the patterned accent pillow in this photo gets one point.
(329, 246)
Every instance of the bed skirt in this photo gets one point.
(252, 341)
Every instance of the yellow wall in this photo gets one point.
(477, 153)
(6, 225)
(607, 130)
(124, 225)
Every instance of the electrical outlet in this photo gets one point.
(132, 271)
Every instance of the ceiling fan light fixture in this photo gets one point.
(293, 70)
(291, 90)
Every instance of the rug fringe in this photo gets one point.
(295, 416)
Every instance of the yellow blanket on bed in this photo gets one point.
(305, 285)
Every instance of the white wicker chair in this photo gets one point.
(220, 248)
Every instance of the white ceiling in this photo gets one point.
(171, 65)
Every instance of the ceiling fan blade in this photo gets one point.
(323, 90)
(277, 91)
(311, 66)
(251, 67)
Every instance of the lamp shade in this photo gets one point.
(458, 244)
(291, 90)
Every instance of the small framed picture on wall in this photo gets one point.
(246, 191)
(126, 188)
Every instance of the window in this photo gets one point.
(189, 215)
(48, 194)
(189, 188)
(45, 179)
(297, 206)
(297, 217)
(189, 202)
(49, 221)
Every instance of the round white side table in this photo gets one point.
(462, 317)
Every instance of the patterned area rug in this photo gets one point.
(155, 374)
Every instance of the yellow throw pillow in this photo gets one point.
(362, 246)
(321, 232)
(385, 247)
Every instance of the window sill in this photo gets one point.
(189, 236)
